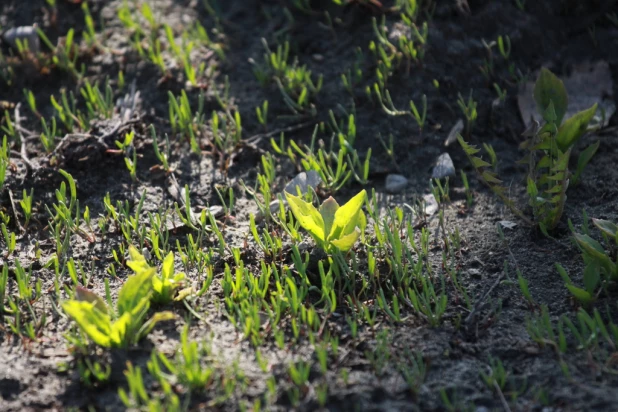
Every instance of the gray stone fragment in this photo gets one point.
(273, 207)
(304, 181)
(455, 130)
(507, 224)
(395, 183)
(23, 34)
(431, 204)
(444, 167)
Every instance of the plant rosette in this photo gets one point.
(333, 227)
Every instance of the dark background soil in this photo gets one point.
(557, 34)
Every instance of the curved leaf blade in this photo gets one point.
(346, 242)
(549, 88)
(94, 323)
(136, 288)
(574, 128)
(307, 216)
(346, 217)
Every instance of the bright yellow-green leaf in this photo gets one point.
(362, 224)
(165, 284)
(95, 324)
(137, 262)
(157, 285)
(157, 317)
(135, 255)
(345, 243)
(346, 217)
(139, 310)
(134, 290)
(119, 330)
(164, 290)
(327, 210)
(307, 216)
(183, 293)
(352, 224)
(332, 226)
(167, 270)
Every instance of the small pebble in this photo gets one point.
(507, 224)
(216, 210)
(395, 183)
(475, 273)
(146, 253)
(444, 167)
(431, 204)
(304, 181)
(23, 34)
(273, 207)
(452, 135)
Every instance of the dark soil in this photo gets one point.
(41, 374)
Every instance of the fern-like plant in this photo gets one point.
(548, 151)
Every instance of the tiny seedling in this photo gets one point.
(93, 373)
(421, 116)
(468, 108)
(332, 227)
(10, 239)
(162, 156)
(138, 398)
(295, 82)
(48, 135)
(504, 46)
(26, 205)
(4, 161)
(500, 92)
(262, 114)
(413, 368)
(469, 195)
(186, 368)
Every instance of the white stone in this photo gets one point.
(507, 224)
(431, 204)
(456, 130)
(23, 34)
